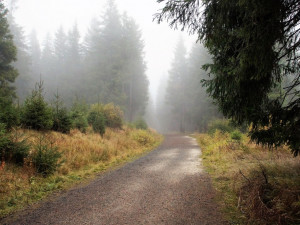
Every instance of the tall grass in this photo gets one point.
(255, 185)
(83, 155)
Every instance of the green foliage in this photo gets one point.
(46, 158)
(140, 124)
(99, 123)
(222, 125)
(11, 148)
(62, 121)
(7, 73)
(113, 115)
(9, 114)
(36, 112)
(8, 54)
(255, 45)
(4, 141)
(97, 119)
(61, 118)
(236, 135)
(79, 116)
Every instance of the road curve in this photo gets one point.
(167, 186)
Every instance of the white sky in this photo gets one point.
(160, 40)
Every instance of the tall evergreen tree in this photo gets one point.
(255, 45)
(48, 66)
(60, 57)
(176, 90)
(73, 64)
(8, 73)
(22, 64)
(111, 61)
(200, 108)
(35, 55)
(135, 80)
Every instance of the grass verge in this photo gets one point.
(83, 156)
(255, 185)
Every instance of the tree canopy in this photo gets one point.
(255, 69)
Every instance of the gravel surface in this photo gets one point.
(167, 186)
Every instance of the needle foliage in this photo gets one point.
(255, 73)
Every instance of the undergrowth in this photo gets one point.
(255, 185)
(82, 157)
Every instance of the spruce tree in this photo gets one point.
(35, 55)
(22, 64)
(255, 45)
(176, 90)
(36, 112)
(135, 80)
(8, 73)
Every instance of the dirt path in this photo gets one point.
(166, 186)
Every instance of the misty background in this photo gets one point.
(112, 51)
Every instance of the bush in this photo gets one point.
(62, 121)
(221, 125)
(4, 141)
(9, 115)
(61, 118)
(236, 135)
(11, 149)
(99, 124)
(140, 124)
(113, 115)
(79, 116)
(46, 158)
(92, 116)
(36, 112)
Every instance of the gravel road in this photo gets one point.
(167, 186)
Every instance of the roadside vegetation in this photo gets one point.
(56, 161)
(255, 184)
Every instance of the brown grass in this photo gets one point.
(256, 185)
(83, 156)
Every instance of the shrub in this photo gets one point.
(62, 121)
(36, 112)
(140, 124)
(92, 116)
(79, 116)
(46, 158)
(113, 115)
(4, 141)
(9, 115)
(11, 149)
(222, 125)
(61, 118)
(236, 135)
(99, 124)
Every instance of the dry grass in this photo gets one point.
(84, 155)
(255, 185)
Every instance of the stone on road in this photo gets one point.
(167, 186)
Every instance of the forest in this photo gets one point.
(75, 103)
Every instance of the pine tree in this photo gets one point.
(110, 63)
(36, 112)
(48, 66)
(73, 70)
(24, 80)
(176, 90)
(61, 118)
(255, 45)
(8, 73)
(135, 80)
(35, 55)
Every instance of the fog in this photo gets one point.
(44, 27)
(48, 15)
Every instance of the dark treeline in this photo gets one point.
(182, 103)
(106, 65)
